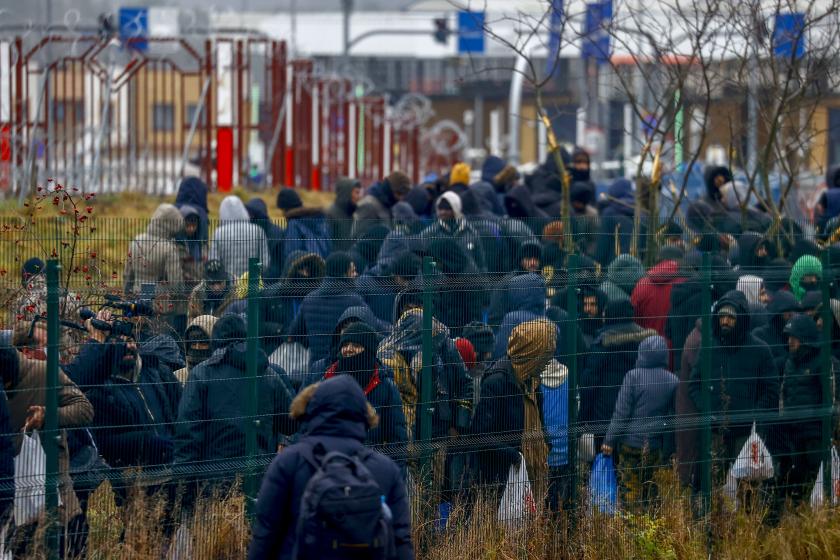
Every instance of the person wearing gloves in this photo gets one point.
(638, 434)
(237, 239)
(334, 416)
(509, 409)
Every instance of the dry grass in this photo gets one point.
(667, 531)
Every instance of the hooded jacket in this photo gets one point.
(373, 209)
(307, 230)
(645, 402)
(804, 266)
(193, 192)
(743, 376)
(356, 314)
(192, 260)
(612, 355)
(258, 211)
(459, 229)
(526, 302)
(236, 240)
(212, 415)
(750, 286)
(340, 214)
(133, 421)
(320, 311)
(155, 257)
(651, 298)
(204, 324)
(334, 416)
(748, 261)
(772, 333)
(622, 276)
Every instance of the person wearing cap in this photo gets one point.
(375, 207)
(213, 294)
(451, 224)
(320, 310)
(744, 380)
(348, 193)
(797, 444)
(357, 359)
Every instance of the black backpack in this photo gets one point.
(343, 514)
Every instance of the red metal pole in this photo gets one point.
(240, 116)
(209, 109)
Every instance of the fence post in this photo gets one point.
(426, 377)
(705, 375)
(826, 377)
(50, 434)
(570, 337)
(251, 477)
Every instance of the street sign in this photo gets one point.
(596, 39)
(789, 35)
(470, 32)
(134, 28)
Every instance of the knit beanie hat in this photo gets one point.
(460, 174)
(288, 199)
(32, 267)
(481, 337)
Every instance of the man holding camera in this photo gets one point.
(135, 396)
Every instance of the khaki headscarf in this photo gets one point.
(530, 347)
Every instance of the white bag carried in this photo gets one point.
(30, 480)
(754, 461)
(517, 499)
(817, 496)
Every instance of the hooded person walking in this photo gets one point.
(509, 408)
(637, 432)
(348, 193)
(452, 224)
(334, 416)
(237, 240)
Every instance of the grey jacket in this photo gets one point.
(237, 239)
(646, 401)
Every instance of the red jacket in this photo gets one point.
(651, 298)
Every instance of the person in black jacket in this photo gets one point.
(743, 376)
(509, 413)
(212, 416)
(357, 358)
(258, 212)
(334, 415)
(780, 310)
(134, 395)
(611, 356)
(797, 444)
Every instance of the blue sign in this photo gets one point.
(596, 39)
(134, 28)
(554, 32)
(470, 32)
(789, 35)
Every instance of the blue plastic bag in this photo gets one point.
(603, 485)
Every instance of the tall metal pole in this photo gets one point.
(570, 336)
(50, 435)
(705, 389)
(346, 11)
(826, 377)
(426, 377)
(252, 347)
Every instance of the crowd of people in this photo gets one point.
(340, 358)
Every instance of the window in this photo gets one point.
(833, 136)
(189, 114)
(65, 110)
(163, 116)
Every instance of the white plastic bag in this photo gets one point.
(30, 480)
(517, 499)
(817, 497)
(754, 461)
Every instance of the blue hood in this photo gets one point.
(653, 353)
(338, 408)
(491, 167)
(527, 293)
(192, 191)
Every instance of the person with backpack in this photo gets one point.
(311, 485)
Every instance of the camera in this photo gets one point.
(128, 309)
